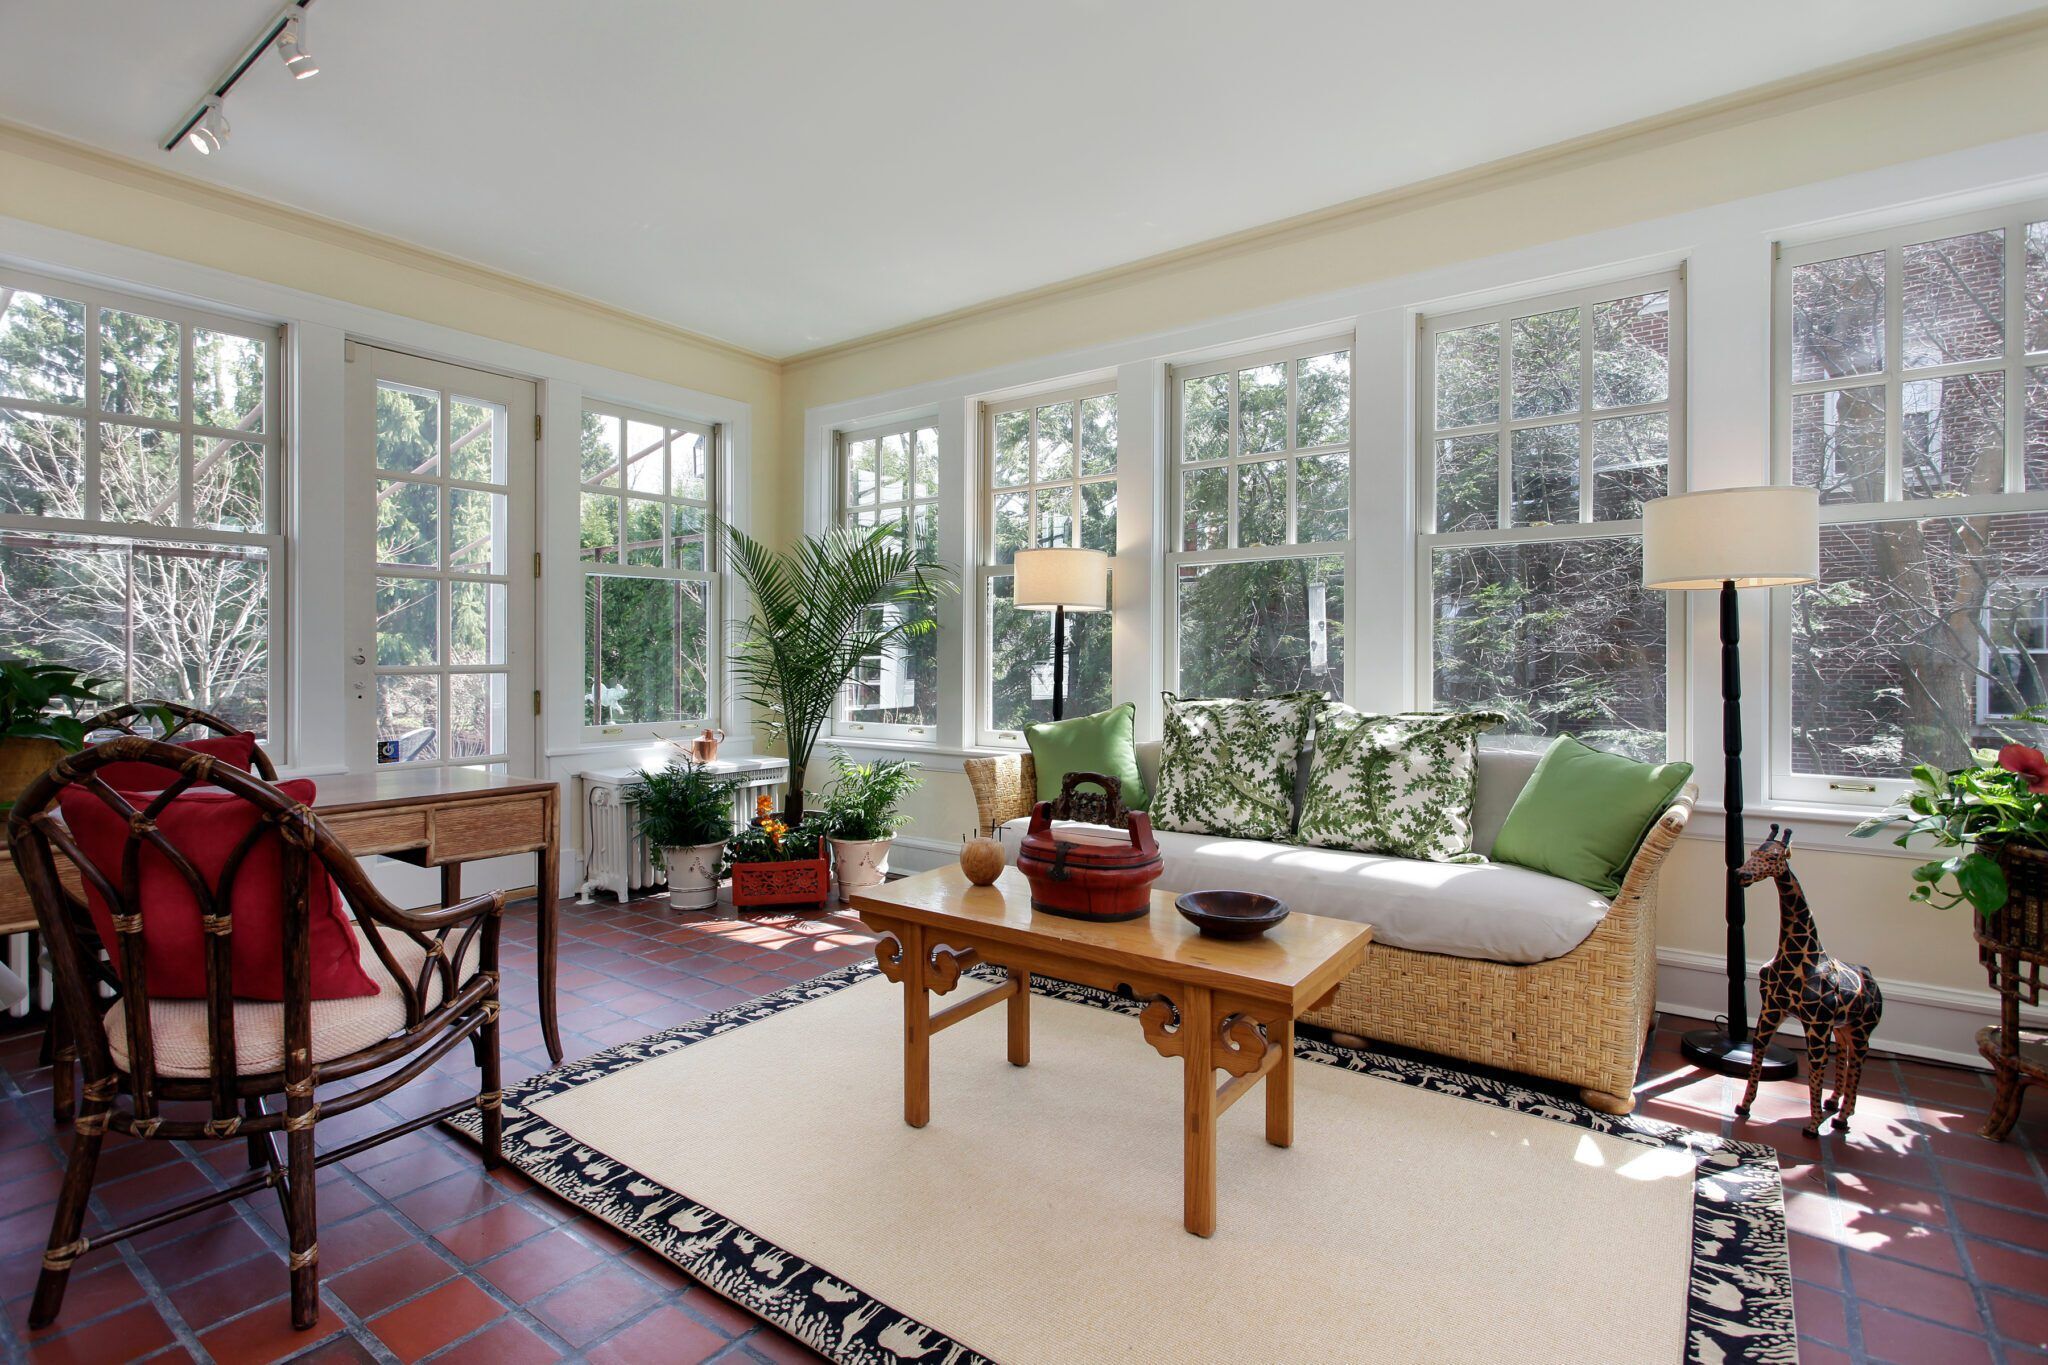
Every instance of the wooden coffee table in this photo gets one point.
(1216, 1005)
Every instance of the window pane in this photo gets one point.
(686, 538)
(1205, 418)
(476, 622)
(900, 684)
(227, 380)
(600, 528)
(1322, 399)
(473, 446)
(1020, 661)
(409, 522)
(1262, 627)
(1055, 443)
(408, 430)
(692, 666)
(1262, 409)
(1013, 523)
(138, 364)
(1838, 317)
(476, 714)
(1013, 449)
(1895, 647)
(924, 531)
(66, 601)
(477, 529)
(138, 474)
(689, 466)
(1545, 478)
(1204, 508)
(925, 458)
(1838, 443)
(1262, 503)
(42, 348)
(1631, 465)
(227, 484)
(2036, 452)
(1954, 304)
(647, 641)
(644, 532)
(1098, 435)
(893, 467)
(408, 717)
(1468, 376)
(1632, 351)
(408, 622)
(42, 465)
(1953, 434)
(1561, 636)
(1545, 355)
(1323, 495)
(860, 472)
(646, 445)
(1468, 482)
(2037, 286)
(600, 449)
(1055, 517)
(1098, 516)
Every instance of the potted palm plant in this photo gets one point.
(818, 609)
(32, 734)
(861, 813)
(686, 813)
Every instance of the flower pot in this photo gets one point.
(859, 863)
(787, 881)
(22, 761)
(693, 875)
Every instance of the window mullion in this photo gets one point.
(93, 403)
(2015, 262)
(1586, 412)
(1894, 389)
(1503, 483)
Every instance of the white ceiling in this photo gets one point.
(791, 174)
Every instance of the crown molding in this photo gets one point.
(1819, 86)
(38, 145)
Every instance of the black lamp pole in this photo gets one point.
(1727, 1049)
(1059, 663)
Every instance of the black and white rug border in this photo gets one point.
(1740, 1302)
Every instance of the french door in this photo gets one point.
(441, 582)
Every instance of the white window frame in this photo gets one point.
(1428, 539)
(2015, 365)
(843, 512)
(987, 571)
(1172, 467)
(710, 575)
(273, 440)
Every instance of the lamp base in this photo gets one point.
(1711, 1049)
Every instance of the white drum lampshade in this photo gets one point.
(1753, 537)
(1075, 579)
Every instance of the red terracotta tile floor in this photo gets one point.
(1912, 1239)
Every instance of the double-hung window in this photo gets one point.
(1260, 464)
(889, 476)
(649, 557)
(139, 496)
(1546, 425)
(1051, 480)
(1912, 391)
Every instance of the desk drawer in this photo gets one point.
(379, 831)
(467, 830)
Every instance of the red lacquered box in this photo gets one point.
(1090, 872)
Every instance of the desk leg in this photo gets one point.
(546, 895)
(1280, 1087)
(1198, 1079)
(1020, 1018)
(917, 1029)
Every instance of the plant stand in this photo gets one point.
(2013, 946)
(796, 881)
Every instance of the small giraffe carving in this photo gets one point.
(1838, 1003)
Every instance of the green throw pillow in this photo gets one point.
(1227, 767)
(1397, 784)
(1585, 812)
(1100, 743)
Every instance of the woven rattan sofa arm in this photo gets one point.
(1638, 887)
(1005, 787)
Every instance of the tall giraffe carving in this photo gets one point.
(1838, 1003)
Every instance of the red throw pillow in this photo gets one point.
(205, 824)
(237, 751)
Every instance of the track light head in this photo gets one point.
(206, 136)
(291, 45)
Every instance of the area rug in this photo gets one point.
(1422, 1214)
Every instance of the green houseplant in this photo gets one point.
(817, 610)
(686, 813)
(774, 862)
(33, 734)
(861, 813)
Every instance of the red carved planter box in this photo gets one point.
(805, 881)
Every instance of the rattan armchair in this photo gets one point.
(437, 972)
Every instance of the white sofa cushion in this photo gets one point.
(1490, 911)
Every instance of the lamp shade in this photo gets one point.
(1754, 537)
(1075, 579)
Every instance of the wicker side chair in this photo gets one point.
(149, 1062)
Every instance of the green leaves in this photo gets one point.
(1967, 809)
(682, 805)
(28, 692)
(865, 796)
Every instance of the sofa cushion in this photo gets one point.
(1497, 779)
(1100, 743)
(1229, 765)
(1489, 911)
(1399, 784)
(1585, 812)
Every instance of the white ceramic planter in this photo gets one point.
(693, 876)
(859, 863)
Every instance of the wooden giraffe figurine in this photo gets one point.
(1837, 1002)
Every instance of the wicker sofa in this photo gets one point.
(1579, 1018)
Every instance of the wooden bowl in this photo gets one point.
(1231, 914)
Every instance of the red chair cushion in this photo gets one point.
(236, 750)
(205, 824)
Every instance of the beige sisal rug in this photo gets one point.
(1422, 1214)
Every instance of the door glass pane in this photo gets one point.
(408, 430)
(1055, 458)
(477, 528)
(600, 449)
(1468, 482)
(1838, 443)
(477, 622)
(227, 380)
(408, 522)
(408, 622)
(1260, 628)
(138, 474)
(476, 714)
(475, 450)
(408, 717)
(1632, 351)
(138, 364)
(1953, 435)
(1545, 356)
(1262, 409)
(1323, 400)
(1954, 304)
(1545, 485)
(42, 464)
(42, 348)
(1468, 376)
(1838, 317)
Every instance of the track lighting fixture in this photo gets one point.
(205, 127)
(211, 130)
(291, 45)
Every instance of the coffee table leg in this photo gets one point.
(1198, 1079)
(1280, 1087)
(917, 1030)
(1020, 1018)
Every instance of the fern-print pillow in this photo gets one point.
(1227, 767)
(1399, 784)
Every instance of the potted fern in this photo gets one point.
(861, 813)
(33, 733)
(686, 813)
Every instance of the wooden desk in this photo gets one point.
(430, 817)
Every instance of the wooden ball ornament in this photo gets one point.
(982, 860)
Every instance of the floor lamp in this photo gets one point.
(1728, 539)
(1060, 581)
